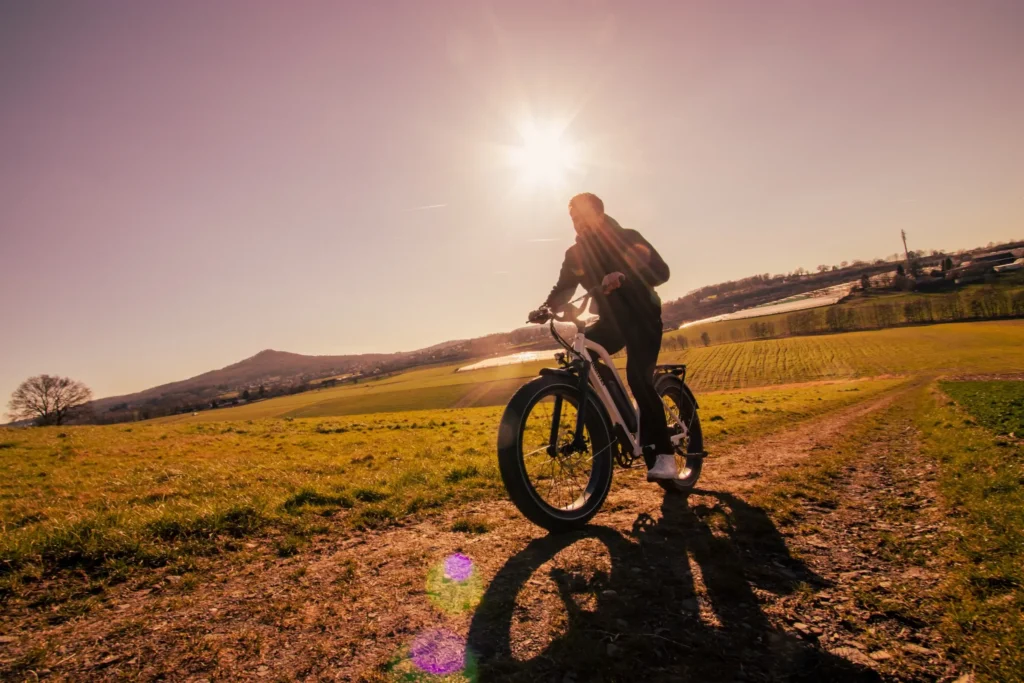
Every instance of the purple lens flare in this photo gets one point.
(439, 652)
(458, 567)
(454, 584)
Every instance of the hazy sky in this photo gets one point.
(183, 184)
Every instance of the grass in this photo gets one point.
(471, 525)
(429, 388)
(981, 347)
(110, 500)
(998, 406)
(979, 604)
(981, 479)
(106, 500)
(87, 506)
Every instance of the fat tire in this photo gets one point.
(673, 387)
(510, 453)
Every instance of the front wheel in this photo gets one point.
(682, 418)
(556, 482)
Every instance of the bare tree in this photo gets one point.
(47, 400)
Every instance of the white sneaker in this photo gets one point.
(664, 468)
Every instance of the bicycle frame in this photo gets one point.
(579, 348)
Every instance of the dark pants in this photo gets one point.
(642, 340)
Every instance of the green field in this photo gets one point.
(108, 499)
(876, 310)
(423, 389)
(84, 508)
(981, 347)
(981, 476)
(999, 406)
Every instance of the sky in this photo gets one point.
(184, 184)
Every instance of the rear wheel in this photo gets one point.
(681, 416)
(554, 483)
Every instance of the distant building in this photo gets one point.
(1008, 267)
(995, 258)
(980, 264)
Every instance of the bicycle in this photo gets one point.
(570, 420)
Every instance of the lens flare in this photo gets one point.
(439, 652)
(457, 567)
(454, 585)
(440, 655)
(435, 656)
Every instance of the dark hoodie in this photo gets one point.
(612, 249)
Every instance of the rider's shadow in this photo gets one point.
(682, 601)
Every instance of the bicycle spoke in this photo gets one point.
(561, 485)
(564, 488)
(571, 485)
(573, 467)
(535, 451)
(561, 480)
(571, 481)
(553, 488)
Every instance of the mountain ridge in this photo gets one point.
(283, 372)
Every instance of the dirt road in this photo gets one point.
(709, 588)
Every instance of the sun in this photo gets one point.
(544, 156)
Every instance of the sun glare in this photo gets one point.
(544, 157)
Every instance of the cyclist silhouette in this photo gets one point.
(624, 269)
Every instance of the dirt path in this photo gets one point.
(737, 468)
(660, 588)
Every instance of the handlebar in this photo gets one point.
(566, 314)
(570, 313)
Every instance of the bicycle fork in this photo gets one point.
(578, 444)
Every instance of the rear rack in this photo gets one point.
(677, 369)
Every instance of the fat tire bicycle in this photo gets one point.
(561, 432)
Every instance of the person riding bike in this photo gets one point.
(623, 269)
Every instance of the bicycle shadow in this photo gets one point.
(640, 616)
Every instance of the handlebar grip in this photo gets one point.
(570, 313)
(540, 316)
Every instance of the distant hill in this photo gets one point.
(266, 367)
(280, 372)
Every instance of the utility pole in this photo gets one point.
(903, 234)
